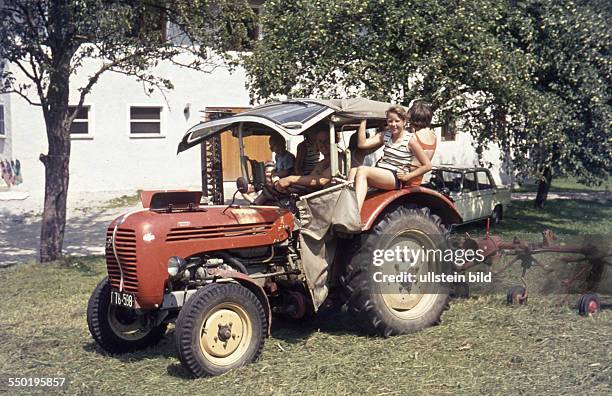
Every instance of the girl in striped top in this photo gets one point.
(400, 149)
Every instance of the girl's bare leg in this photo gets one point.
(368, 176)
(352, 173)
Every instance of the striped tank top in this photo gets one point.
(311, 158)
(396, 156)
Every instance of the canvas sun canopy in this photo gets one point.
(291, 117)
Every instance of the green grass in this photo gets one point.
(566, 218)
(124, 200)
(567, 184)
(481, 347)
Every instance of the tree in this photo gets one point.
(568, 103)
(532, 76)
(49, 40)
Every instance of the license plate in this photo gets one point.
(123, 299)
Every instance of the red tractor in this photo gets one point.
(221, 272)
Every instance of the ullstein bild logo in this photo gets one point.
(432, 277)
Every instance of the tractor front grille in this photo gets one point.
(218, 232)
(125, 244)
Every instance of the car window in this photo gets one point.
(452, 180)
(469, 182)
(484, 182)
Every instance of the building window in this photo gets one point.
(80, 124)
(145, 120)
(2, 129)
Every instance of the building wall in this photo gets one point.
(6, 139)
(112, 159)
(461, 151)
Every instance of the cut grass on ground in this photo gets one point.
(481, 347)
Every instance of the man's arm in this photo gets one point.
(318, 177)
(284, 172)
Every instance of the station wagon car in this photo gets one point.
(473, 191)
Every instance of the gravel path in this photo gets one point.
(87, 218)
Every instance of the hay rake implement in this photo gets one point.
(589, 259)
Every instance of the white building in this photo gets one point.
(126, 139)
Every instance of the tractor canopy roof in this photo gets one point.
(289, 118)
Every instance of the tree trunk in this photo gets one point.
(543, 187)
(56, 167)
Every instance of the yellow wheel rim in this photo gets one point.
(407, 300)
(226, 334)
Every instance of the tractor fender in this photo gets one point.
(437, 203)
(250, 284)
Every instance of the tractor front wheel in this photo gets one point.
(118, 329)
(221, 327)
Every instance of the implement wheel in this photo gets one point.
(589, 304)
(517, 295)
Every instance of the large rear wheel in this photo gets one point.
(399, 295)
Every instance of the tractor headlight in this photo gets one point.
(176, 264)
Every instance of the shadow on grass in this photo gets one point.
(165, 349)
(331, 321)
(567, 184)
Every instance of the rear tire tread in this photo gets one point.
(358, 287)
